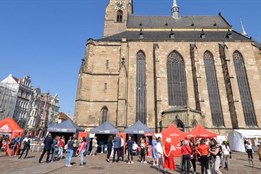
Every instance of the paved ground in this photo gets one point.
(98, 165)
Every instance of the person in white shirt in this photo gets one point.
(135, 148)
(226, 154)
(249, 150)
(122, 149)
(26, 143)
(159, 150)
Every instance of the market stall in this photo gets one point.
(176, 136)
(200, 132)
(139, 130)
(102, 133)
(237, 137)
(67, 128)
(9, 127)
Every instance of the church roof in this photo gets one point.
(191, 36)
(217, 22)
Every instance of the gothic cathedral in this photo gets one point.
(185, 70)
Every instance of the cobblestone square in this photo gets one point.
(98, 165)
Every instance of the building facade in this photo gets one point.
(8, 96)
(28, 106)
(186, 70)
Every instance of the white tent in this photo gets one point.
(237, 137)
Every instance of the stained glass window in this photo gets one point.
(245, 94)
(177, 88)
(213, 90)
(141, 88)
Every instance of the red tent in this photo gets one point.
(201, 132)
(176, 136)
(8, 125)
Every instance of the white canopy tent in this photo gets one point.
(237, 137)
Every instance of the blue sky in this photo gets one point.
(46, 38)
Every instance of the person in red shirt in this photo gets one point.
(203, 151)
(168, 157)
(61, 143)
(186, 153)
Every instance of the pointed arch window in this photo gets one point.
(104, 114)
(119, 16)
(245, 94)
(213, 90)
(141, 88)
(177, 87)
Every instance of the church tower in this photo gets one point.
(116, 16)
(175, 10)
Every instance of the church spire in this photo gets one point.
(243, 29)
(175, 10)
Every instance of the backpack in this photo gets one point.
(12, 142)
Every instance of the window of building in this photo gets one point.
(177, 88)
(141, 88)
(245, 94)
(213, 90)
(119, 16)
(105, 86)
(104, 114)
(107, 64)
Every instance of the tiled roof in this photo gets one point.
(217, 22)
(63, 116)
(257, 44)
(191, 36)
(16, 79)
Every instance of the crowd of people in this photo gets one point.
(13, 146)
(211, 155)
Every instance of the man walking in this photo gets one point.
(48, 141)
(26, 142)
(117, 145)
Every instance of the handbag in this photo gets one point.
(65, 146)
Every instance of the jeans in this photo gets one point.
(122, 153)
(81, 156)
(94, 150)
(130, 155)
(60, 152)
(69, 156)
(217, 164)
(225, 161)
(194, 161)
(109, 153)
(26, 153)
(116, 150)
(102, 148)
(53, 151)
(204, 162)
(48, 154)
(160, 162)
(186, 159)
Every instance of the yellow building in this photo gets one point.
(187, 70)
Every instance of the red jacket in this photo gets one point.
(186, 150)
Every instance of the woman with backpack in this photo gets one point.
(69, 151)
(26, 142)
